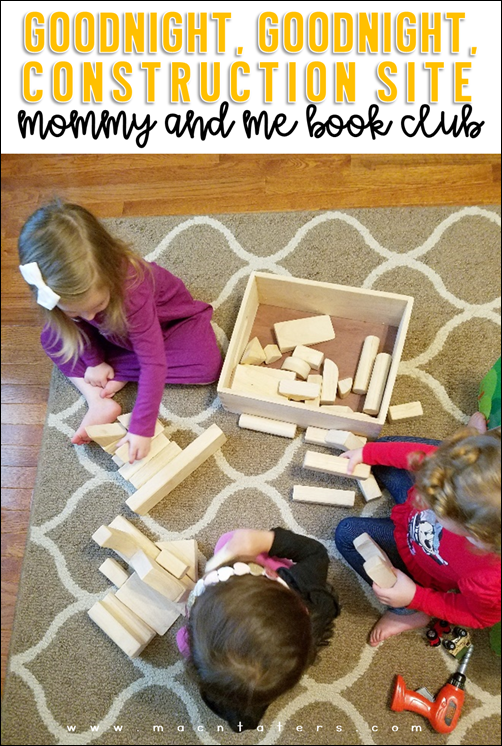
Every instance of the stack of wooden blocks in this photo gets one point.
(148, 601)
(166, 465)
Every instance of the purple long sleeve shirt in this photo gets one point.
(152, 305)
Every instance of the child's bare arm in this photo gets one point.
(245, 544)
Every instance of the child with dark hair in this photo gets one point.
(256, 621)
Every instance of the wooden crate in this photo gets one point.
(355, 313)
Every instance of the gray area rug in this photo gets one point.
(70, 684)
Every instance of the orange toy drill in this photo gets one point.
(444, 711)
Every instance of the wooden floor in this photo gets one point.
(117, 185)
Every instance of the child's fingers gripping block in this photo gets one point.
(380, 571)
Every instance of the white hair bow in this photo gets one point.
(45, 296)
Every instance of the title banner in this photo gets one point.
(282, 77)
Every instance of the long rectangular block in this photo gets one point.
(125, 419)
(299, 390)
(316, 436)
(261, 382)
(317, 380)
(329, 382)
(334, 465)
(155, 464)
(104, 435)
(172, 563)
(114, 572)
(367, 547)
(128, 470)
(149, 605)
(324, 496)
(405, 411)
(307, 331)
(264, 425)
(177, 470)
(380, 572)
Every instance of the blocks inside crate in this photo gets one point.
(355, 314)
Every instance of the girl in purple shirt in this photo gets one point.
(112, 317)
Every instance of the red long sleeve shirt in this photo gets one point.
(438, 560)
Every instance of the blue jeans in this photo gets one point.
(397, 482)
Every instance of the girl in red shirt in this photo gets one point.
(443, 536)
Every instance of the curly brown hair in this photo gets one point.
(461, 481)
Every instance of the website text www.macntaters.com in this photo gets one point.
(281, 727)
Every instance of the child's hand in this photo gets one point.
(139, 446)
(99, 375)
(401, 594)
(245, 544)
(355, 457)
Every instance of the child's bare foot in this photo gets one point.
(101, 412)
(111, 389)
(478, 421)
(391, 624)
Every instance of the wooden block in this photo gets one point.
(120, 542)
(155, 464)
(114, 572)
(272, 354)
(299, 390)
(367, 547)
(177, 470)
(125, 419)
(116, 630)
(344, 387)
(264, 425)
(380, 572)
(313, 357)
(128, 470)
(339, 409)
(253, 354)
(156, 577)
(142, 542)
(103, 435)
(329, 382)
(370, 489)
(344, 440)
(405, 411)
(137, 626)
(323, 496)
(307, 331)
(112, 447)
(334, 465)
(260, 382)
(172, 563)
(314, 403)
(298, 366)
(365, 365)
(377, 383)
(316, 436)
(186, 550)
(149, 605)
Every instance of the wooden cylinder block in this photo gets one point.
(365, 366)
(377, 383)
(264, 425)
(298, 366)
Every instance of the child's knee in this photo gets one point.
(344, 533)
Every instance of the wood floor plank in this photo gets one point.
(15, 521)
(39, 372)
(22, 394)
(22, 477)
(16, 499)
(22, 435)
(24, 414)
(20, 455)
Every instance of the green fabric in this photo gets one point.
(489, 396)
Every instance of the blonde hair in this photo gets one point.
(75, 255)
(461, 481)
